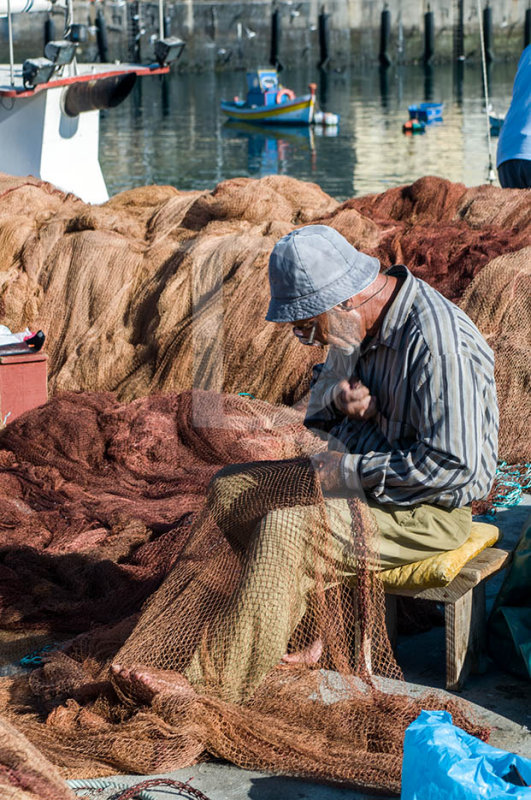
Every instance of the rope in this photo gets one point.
(125, 792)
(189, 791)
(35, 658)
(491, 175)
(509, 484)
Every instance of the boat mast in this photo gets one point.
(490, 168)
(10, 36)
(161, 19)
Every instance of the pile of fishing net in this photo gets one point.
(162, 290)
(97, 497)
(25, 774)
(115, 533)
(198, 672)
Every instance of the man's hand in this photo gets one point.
(327, 466)
(354, 400)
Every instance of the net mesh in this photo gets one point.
(25, 774)
(200, 671)
(499, 301)
(180, 589)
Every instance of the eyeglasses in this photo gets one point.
(310, 338)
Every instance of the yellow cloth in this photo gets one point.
(441, 569)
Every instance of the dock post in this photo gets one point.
(487, 33)
(428, 83)
(429, 36)
(385, 35)
(49, 30)
(459, 32)
(101, 37)
(276, 33)
(324, 35)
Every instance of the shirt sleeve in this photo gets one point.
(322, 413)
(447, 414)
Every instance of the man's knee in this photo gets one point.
(413, 534)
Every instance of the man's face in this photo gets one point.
(338, 327)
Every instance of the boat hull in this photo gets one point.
(38, 137)
(298, 111)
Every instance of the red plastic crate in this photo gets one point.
(23, 384)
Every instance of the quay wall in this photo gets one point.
(234, 34)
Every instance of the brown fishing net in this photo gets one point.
(25, 774)
(97, 497)
(104, 507)
(163, 290)
(264, 571)
(499, 302)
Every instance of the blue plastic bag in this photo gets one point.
(442, 762)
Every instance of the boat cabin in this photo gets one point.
(262, 87)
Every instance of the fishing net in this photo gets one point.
(261, 574)
(25, 774)
(119, 533)
(97, 497)
(499, 302)
(444, 232)
(163, 290)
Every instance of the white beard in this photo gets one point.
(349, 349)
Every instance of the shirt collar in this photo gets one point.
(399, 310)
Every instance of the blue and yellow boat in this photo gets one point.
(268, 102)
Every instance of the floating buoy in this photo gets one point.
(325, 118)
(414, 126)
(284, 96)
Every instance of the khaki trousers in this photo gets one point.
(281, 560)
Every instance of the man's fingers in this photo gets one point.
(371, 409)
(356, 395)
(361, 409)
(358, 392)
(347, 395)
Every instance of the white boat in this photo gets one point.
(49, 110)
(25, 6)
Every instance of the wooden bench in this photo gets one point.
(464, 607)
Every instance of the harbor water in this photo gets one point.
(170, 130)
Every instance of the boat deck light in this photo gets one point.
(37, 70)
(61, 52)
(168, 50)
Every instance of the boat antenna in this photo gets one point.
(10, 37)
(490, 174)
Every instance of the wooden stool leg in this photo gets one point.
(465, 635)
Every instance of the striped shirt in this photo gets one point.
(434, 437)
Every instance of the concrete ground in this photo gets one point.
(501, 700)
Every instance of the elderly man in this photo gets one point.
(406, 396)
(407, 402)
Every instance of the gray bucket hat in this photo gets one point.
(312, 269)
